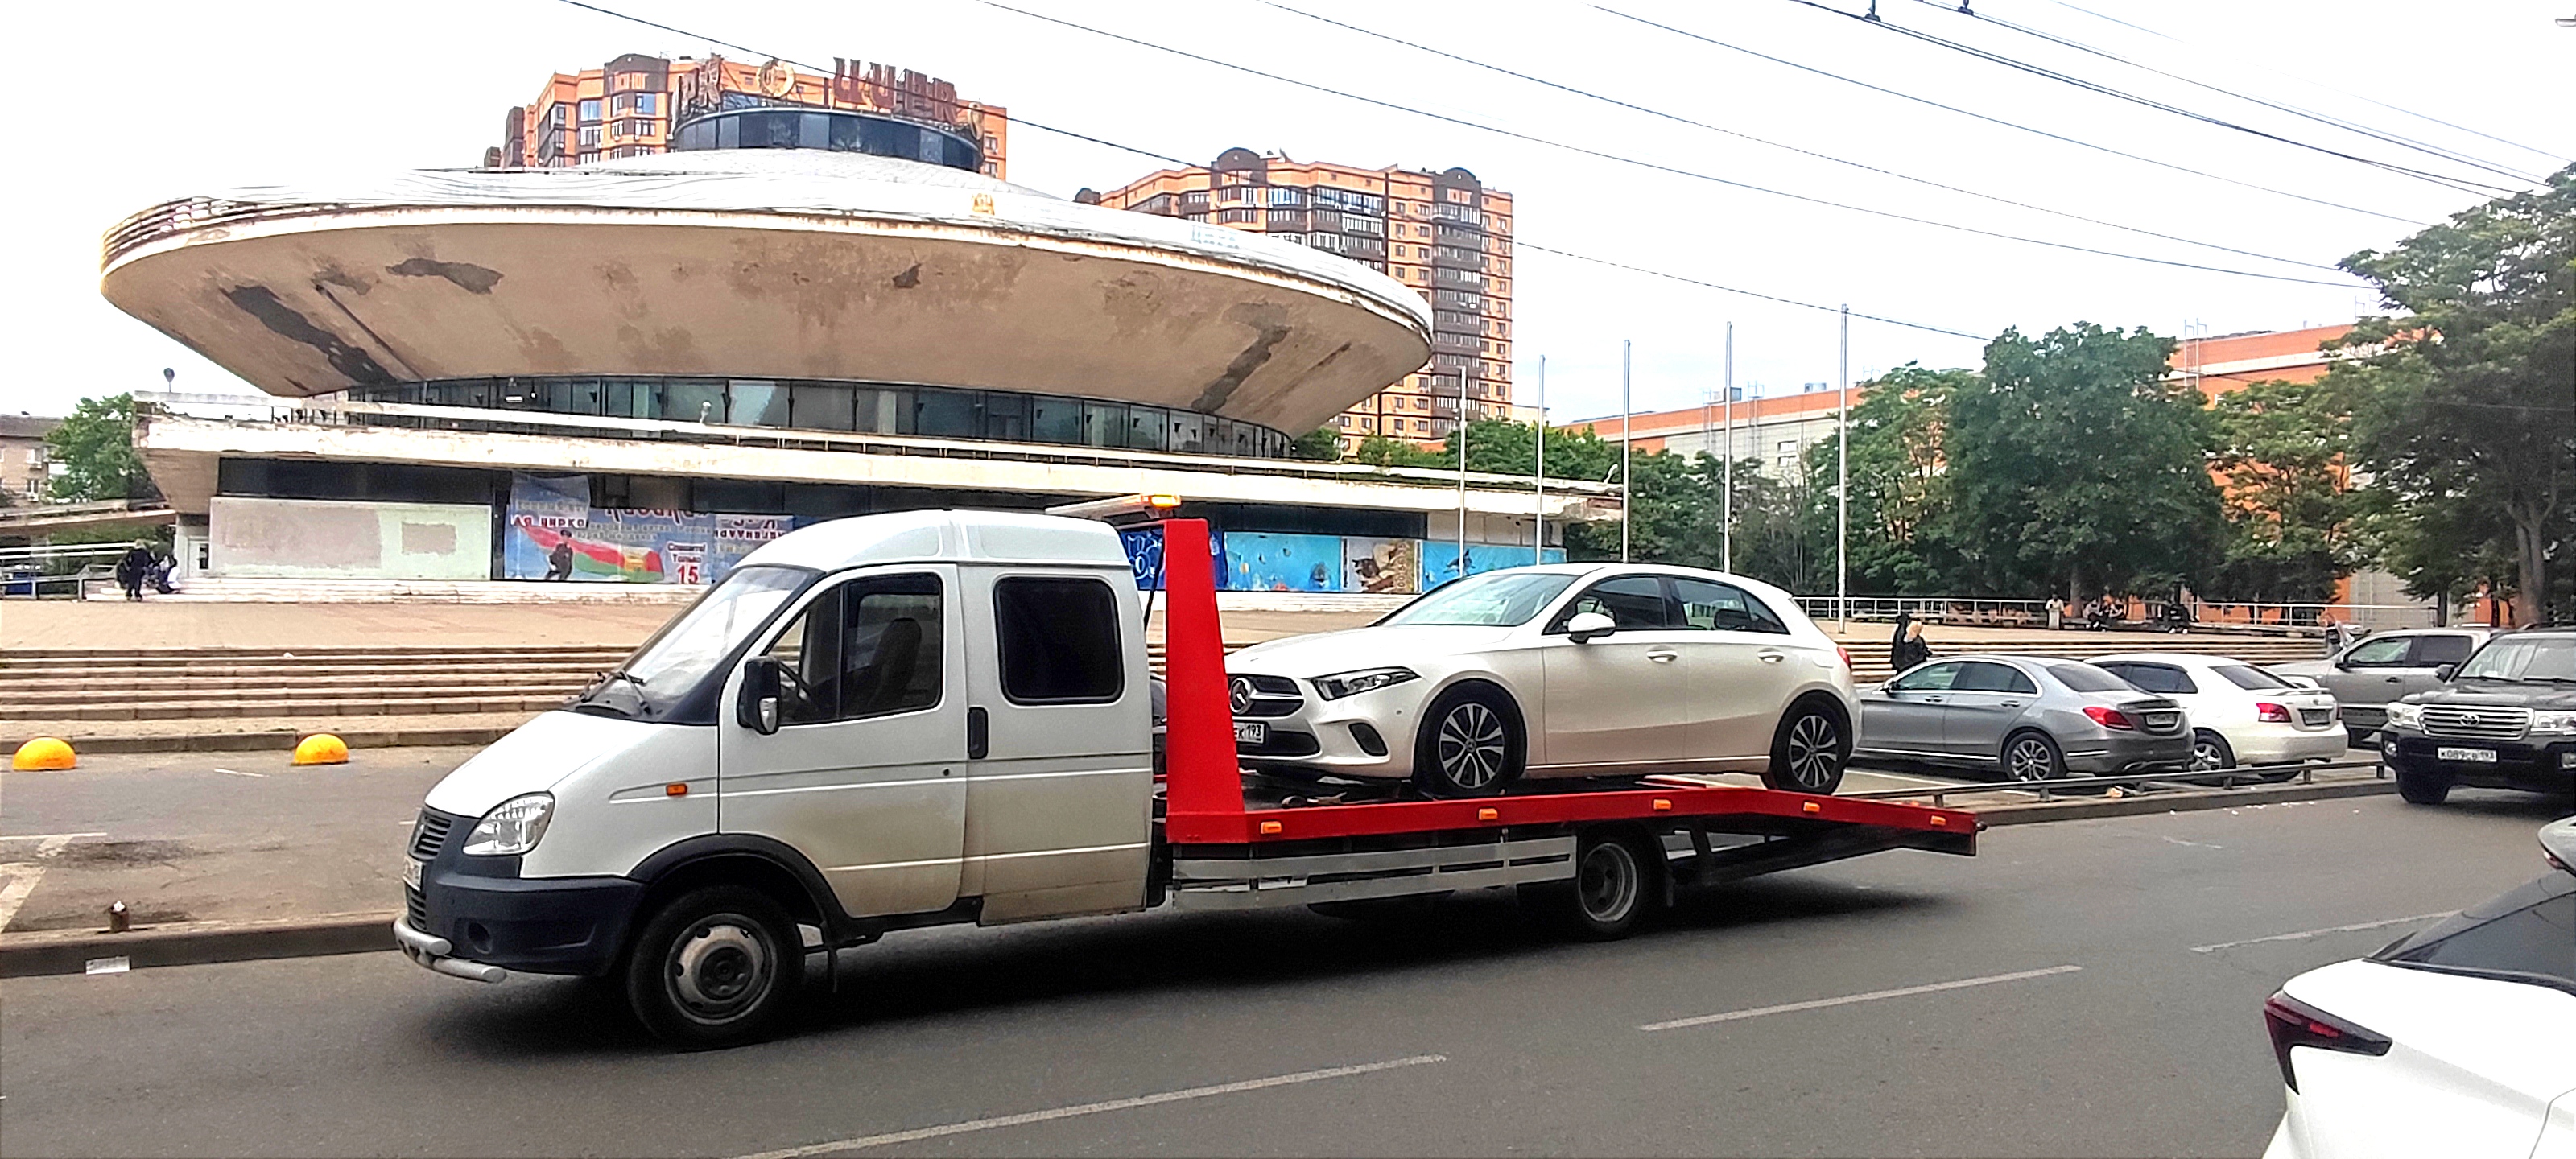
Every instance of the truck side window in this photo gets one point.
(1058, 640)
(2439, 649)
(2383, 653)
(869, 648)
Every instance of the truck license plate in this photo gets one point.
(2473, 756)
(1251, 732)
(411, 873)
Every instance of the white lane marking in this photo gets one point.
(918, 1134)
(239, 773)
(21, 879)
(2192, 844)
(2320, 933)
(48, 842)
(1848, 999)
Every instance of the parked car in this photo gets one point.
(2505, 719)
(1567, 670)
(2032, 717)
(2452, 1041)
(2239, 713)
(2368, 675)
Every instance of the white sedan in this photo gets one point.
(2240, 714)
(2457, 1041)
(1568, 670)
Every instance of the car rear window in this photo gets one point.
(2087, 678)
(2250, 678)
(2153, 677)
(2527, 935)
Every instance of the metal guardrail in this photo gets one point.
(2130, 612)
(2248, 775)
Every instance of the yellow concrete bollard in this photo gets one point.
(43, 753)
(321, 748)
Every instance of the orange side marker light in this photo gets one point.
(1272, 828)
(676, 789)
(1813, 807)
(1489, 813)
(1663, 806)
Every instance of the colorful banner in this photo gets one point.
(1261, 561)
(1440, 560)
(1144, 555)
(555, 534)
(740, 535)
(1381, 566)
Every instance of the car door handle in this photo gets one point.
(1936, 700)
(2008, 704)
(1662, 657)
(1769, 656)
(2393, 680)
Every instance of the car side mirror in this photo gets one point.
(756, 707)
(2443, 672)
(1586, 627)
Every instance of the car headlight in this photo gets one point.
(2404, 715)
(2554, 722)
(511, 828)
(1343, 684)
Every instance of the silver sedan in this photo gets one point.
(2032, 717)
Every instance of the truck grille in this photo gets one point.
(429, 835)
(2476, 723)
(1263, 696)
(415, 909)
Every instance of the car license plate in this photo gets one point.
(411, 872)
(1251, 732)
(2473, 756)
(2316, 717)
(2162, 719)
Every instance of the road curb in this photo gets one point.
(2183, 801)
(284, 740)
(196, 943)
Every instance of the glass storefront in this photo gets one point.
(875, 408)
(836, 130)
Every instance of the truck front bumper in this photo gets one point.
(2533, 765)
(478, 912)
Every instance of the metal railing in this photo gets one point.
(2205, 614)
(2246, 776)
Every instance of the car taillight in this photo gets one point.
(2109, 717)
(1845, 653)
(2295, 1023)
(2270, 713)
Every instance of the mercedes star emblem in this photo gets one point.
(1239, 694)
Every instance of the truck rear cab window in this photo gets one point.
(1058, 640)
(871, 647)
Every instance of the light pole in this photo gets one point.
(1627, 412)
(1462, 474)
(1538, 518)
(1726, 506)
(1842, 486)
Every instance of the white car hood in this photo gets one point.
(1325, 653)
(537, 756)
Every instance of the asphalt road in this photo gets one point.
(2114, 973)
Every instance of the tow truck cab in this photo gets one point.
(878, 722)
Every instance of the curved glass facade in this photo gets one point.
(873, 407)
(836, 130)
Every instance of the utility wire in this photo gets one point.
(1645, 164)
(2553, 158)
(1868, 168)
(2461, 185)
(2400, 140)
(610, 12)
(2076, 141)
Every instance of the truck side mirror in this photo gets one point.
(2443, 672)
(756, 708)
(1586, 627)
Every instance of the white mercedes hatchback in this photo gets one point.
(1568, 670)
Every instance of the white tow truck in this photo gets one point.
(911, 719)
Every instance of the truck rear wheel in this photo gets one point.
(2422, 788)
(716, 966)
(1615, 885)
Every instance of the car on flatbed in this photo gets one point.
(1556, 671)
(2504, 719)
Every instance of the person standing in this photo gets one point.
(559, 561)
(1905, 647)
(2056, 613)
(131, 568)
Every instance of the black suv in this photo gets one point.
(2505, 718)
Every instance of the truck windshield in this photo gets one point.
(1498, 599)
(2549, 659)
(696, 642)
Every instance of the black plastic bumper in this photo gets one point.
(2538, 768)
(487, 913)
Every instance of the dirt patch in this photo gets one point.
(123, 853)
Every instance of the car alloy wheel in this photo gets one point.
(1472, 745)
(2029, 759)
(2210, 754)
(1815, 753)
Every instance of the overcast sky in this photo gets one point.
(135, 102)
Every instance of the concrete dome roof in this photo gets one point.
(766, 263)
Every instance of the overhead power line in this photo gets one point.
(1518, 242)
(1863, 166)
(2349, 126)
(1713, 42)
(1873, 20)
(1651, 165)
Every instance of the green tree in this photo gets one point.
(1320, 445)
(95, 446)
(2292, 515)
(1900, 483)
(2466, 406)
(2075, 465)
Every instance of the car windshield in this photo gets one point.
(2541, 658)
(696, 641)
(1497, 599)
(2250, 678)
(2087, 678)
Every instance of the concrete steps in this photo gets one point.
(245, 590)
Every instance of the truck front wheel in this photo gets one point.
(716, 966)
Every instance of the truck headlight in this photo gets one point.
(1343, 684)
(2556, 723)
(2404, 715)
(512, 827)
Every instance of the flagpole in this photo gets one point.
(1842, 487)
(1627, 413)
(1726, 530)
(1538, 522)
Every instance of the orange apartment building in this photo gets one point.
(630, 106)
(1445, 234)
(1776, 430)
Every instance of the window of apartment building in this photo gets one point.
(590, 110)
(590, 136)
(1197, 198)
(587, 158)
(1325, 241)
(992, 144)
(1364, 225)
(555, 116)
(1239, 215)
(629, 81)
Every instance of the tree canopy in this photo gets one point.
(95, 446)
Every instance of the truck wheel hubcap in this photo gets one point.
(720, 969)
(1606, 883)
(1471, 746)
(1812, 751)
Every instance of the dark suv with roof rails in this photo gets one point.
(2505, 718)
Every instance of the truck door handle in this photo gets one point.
(1768, 656)
(1660, 657)
(979, 734)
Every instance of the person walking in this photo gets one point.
(559, 561)
(132, 568)
(1905, 646)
